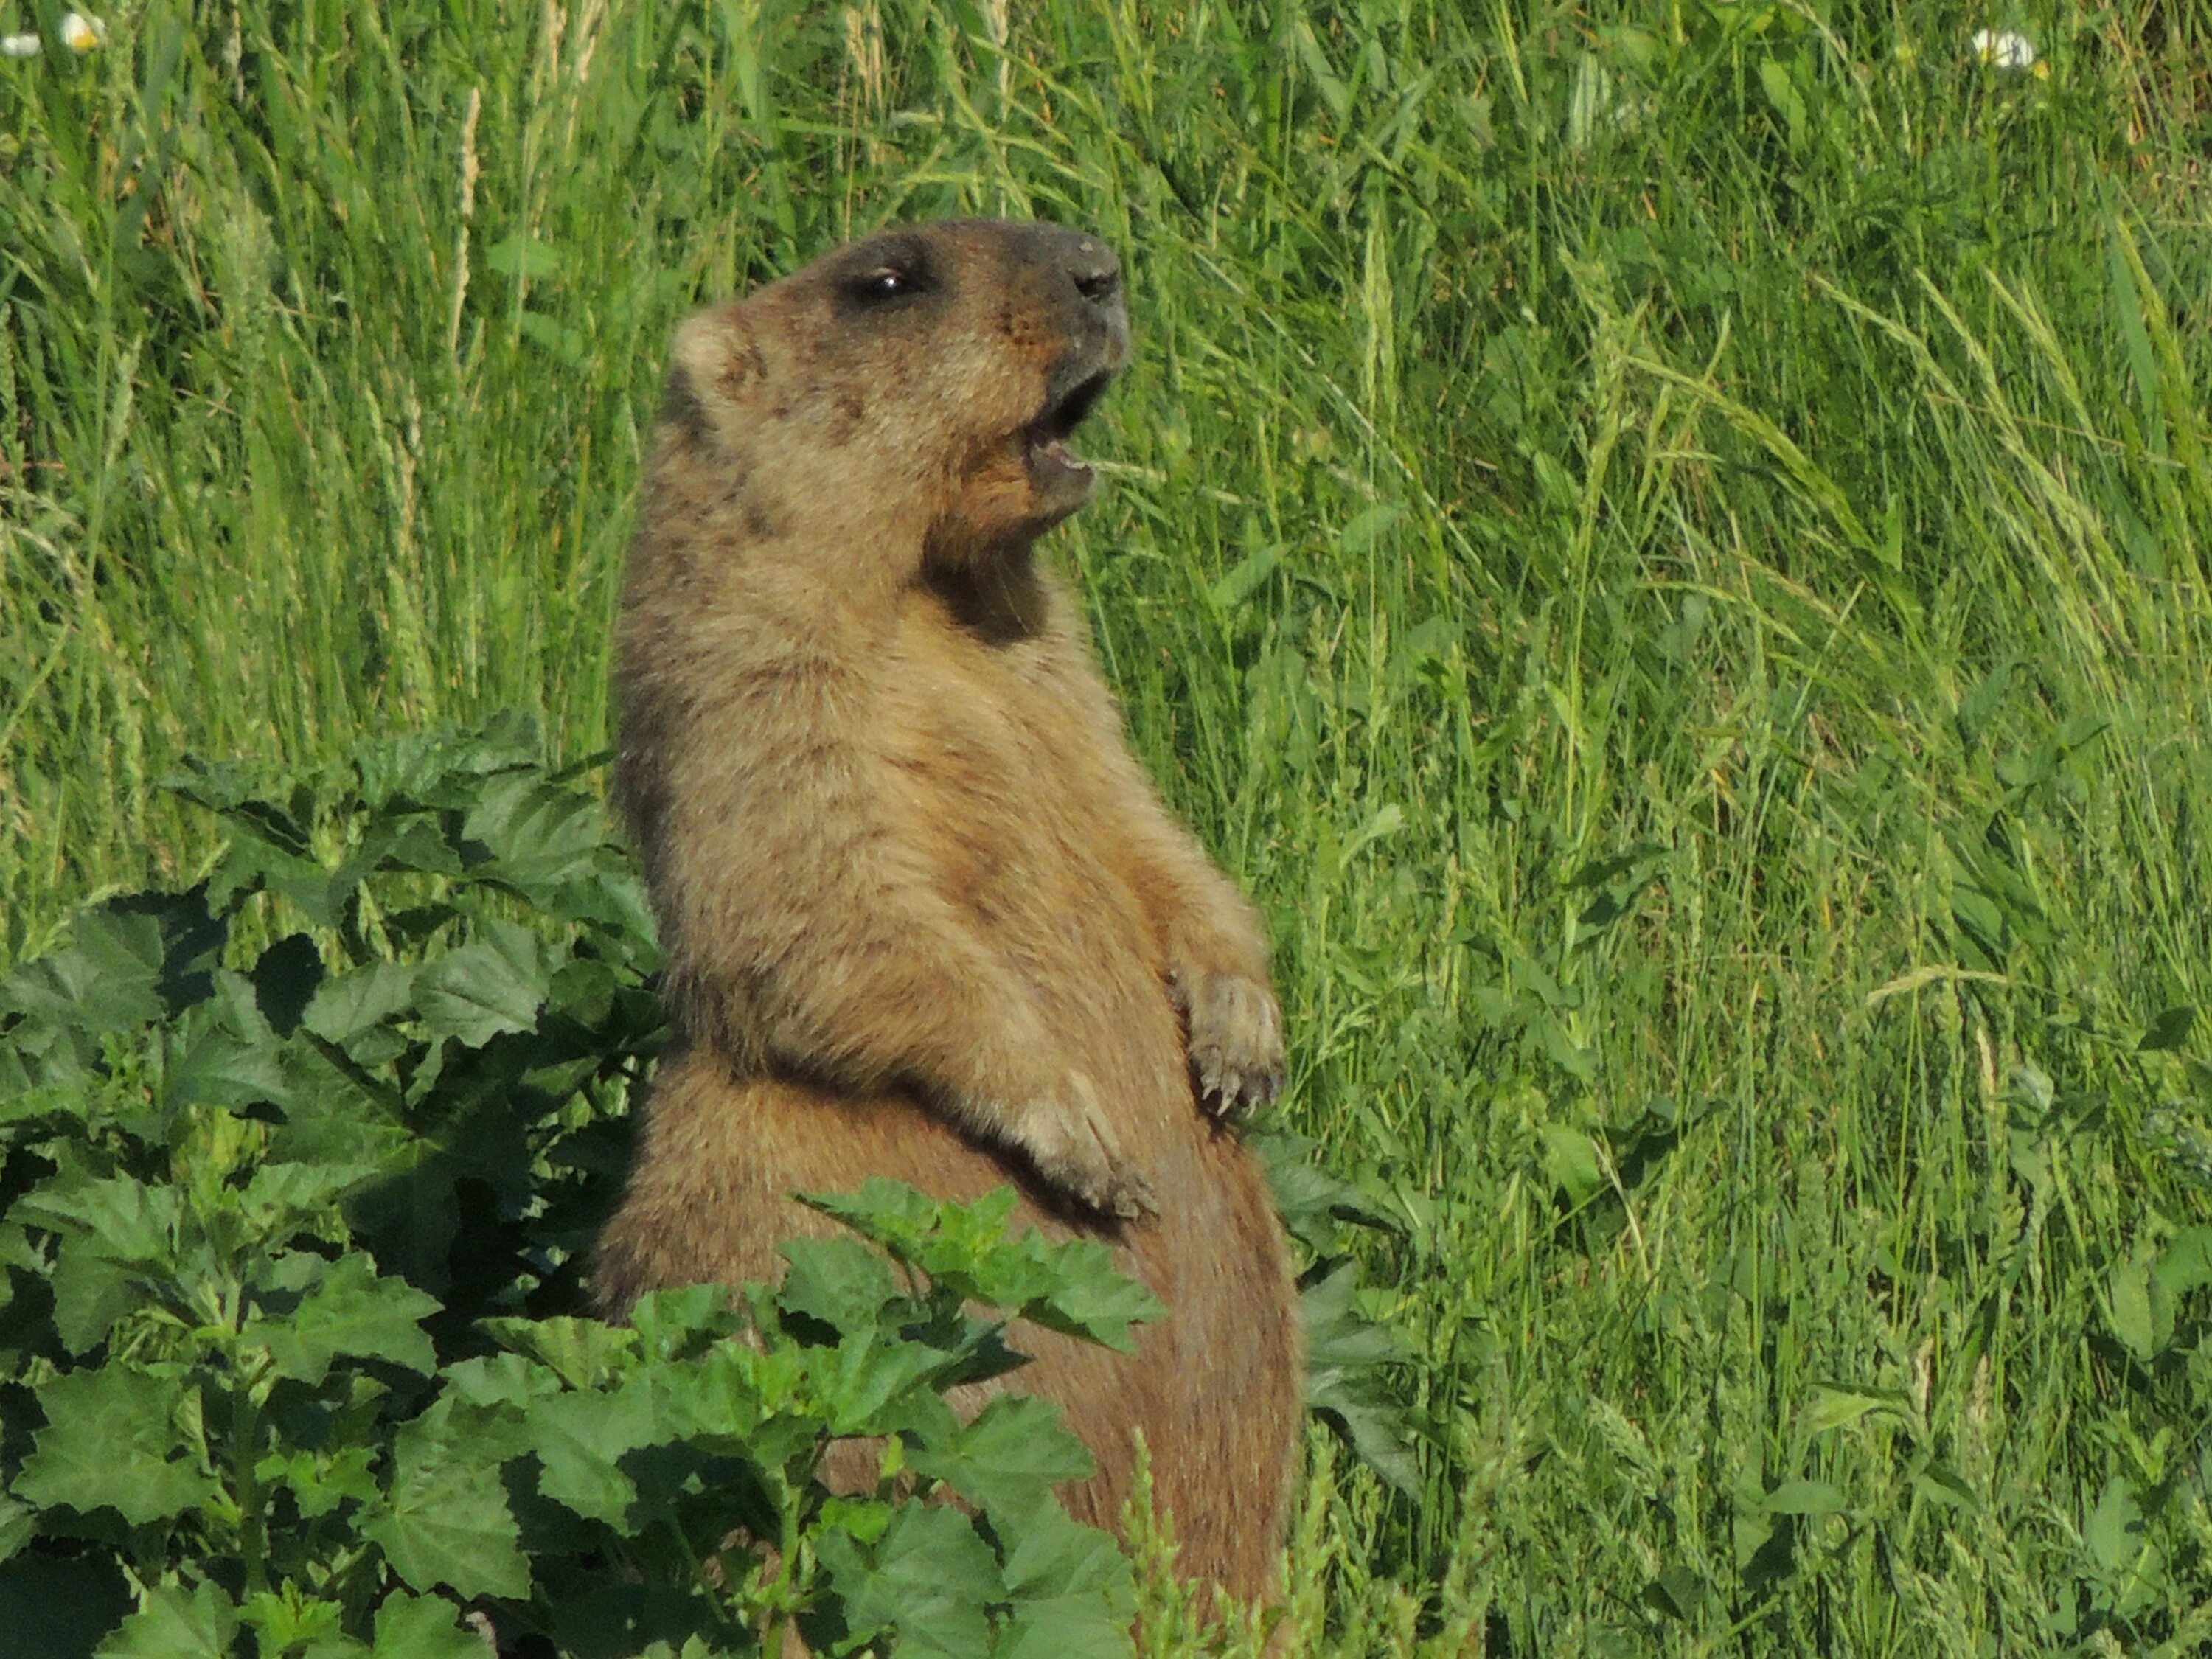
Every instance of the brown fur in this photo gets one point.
(924, 915)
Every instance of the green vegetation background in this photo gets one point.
(1667, 545)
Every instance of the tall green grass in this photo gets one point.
(1668, 545)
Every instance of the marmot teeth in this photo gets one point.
(1056, 452)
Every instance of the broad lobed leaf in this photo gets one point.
(280, 1208)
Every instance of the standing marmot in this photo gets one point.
(923, 915)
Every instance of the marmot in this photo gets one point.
(922, 913)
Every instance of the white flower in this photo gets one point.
(81, 33)
(2003, 49)
(19, 45)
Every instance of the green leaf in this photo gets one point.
(1571, 1161)
(536, 832)
(2114, 1531)
(1311, 1199)
(1941, 1484)
(1333, 91)
(1804, 1498)
(1338, 1336)
(46, 1072)
(18, 1523)
(424, 1627)
(127, 963)
(408, 841)
(1373, 1425)
(2169, 1030)
(1368, 526)
(840, 1281)
(444, 766)
(1054, 1555)
(234, 791)
(127, 1220)
(103, 979)
(1582, 1063)
(218, 1066)
(1832, 1405)
(353, 1311)
(1010, 1456)
(2185, 1264)
(895, 1215)
(171, 1624)
(348, 1003)
(523, 255)
(281, 1195)
(867, 1383)
(1604, 871)
(91, 1292)
(2135, 1308)
(579, 1439)
(499, 1379)
(1677, 1593)
(742, 1402)
(1346, 1352)
(571, 345)
(492, 986)
(930, 1579)
(1088, 1626)
(582, 1352)
(681, 1323)
(1789, 103)
(1072, 1287)
(320, 1482)
(1430, 640)
(112, 1441)
(289, 1622)
(447, 1520)
(1093, 1297)
(1229, 593)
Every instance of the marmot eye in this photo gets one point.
(886, 282)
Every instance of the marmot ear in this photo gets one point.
(715, 367)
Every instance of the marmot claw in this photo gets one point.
(1077, 1150)
(1131, 1198)
(1236, 1042)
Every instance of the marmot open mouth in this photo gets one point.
(1047, 435)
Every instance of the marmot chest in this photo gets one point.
(986, 781)
(989, 782)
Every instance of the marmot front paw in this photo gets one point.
(1235, 1042)
(1076, 1149)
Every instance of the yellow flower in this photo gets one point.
(81, 33)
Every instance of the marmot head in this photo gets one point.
(930, 374)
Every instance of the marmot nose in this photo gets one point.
(1098, 284)
(1093, 267)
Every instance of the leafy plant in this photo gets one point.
(292, 1359)
(289, 1358)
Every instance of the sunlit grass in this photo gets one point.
(1671, 554)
